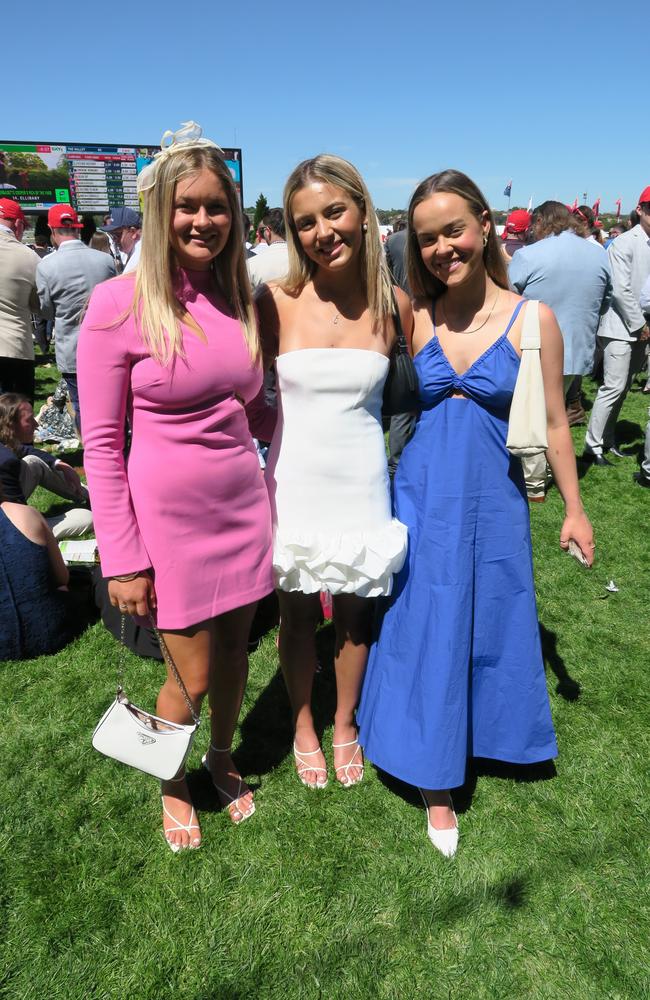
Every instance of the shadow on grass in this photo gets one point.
(62, 506)
(267, 731)
(567, 687)
(81, 612)
(477, 767)
(628, 433)
(583, 466)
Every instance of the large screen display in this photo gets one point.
(93, 178)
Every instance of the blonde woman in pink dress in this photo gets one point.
(183, 524)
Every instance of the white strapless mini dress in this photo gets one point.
(328, 478)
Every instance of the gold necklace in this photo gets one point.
(464, 333)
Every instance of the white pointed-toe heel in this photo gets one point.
(445, 841)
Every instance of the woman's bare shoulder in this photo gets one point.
(403, 301)
(28, 520)
(282, 294)
(421, 306)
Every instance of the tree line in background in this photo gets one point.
(389, 216)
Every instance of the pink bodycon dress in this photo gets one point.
(190, 501)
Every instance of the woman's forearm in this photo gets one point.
(561, 457)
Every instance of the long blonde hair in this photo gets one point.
(155, 306)
(423, 283)
(375, 276)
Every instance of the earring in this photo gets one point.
(485, 240)
(364, 227)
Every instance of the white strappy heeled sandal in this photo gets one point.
(228, 800)
(195, 843)
(446, 841)
(347, 782)
(303, 766)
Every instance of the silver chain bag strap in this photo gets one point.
(138, 738)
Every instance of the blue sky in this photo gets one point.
(554, 95)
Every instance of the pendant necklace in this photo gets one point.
(464, 333)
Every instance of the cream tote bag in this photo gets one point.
(527, 424)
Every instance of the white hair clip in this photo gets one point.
(188, 135)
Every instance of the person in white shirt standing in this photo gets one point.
(273, 264)
(18, 300)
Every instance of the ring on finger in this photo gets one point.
(123, 607)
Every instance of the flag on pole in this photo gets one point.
(530, 204)
(595, 208)
(618, 208)
(508, 188)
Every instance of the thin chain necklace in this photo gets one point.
(464, 333)
(337, 316)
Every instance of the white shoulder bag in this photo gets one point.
(138, 738)
(527, 424)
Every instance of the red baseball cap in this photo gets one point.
(10, 209)
(63, 217)
(645, 195)
(517, 222)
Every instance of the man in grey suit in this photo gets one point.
(642, 477)
(64, 281)
(622, 334)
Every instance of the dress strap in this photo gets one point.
(513, 317)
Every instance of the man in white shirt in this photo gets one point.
(125, 228)
(18, 300)
(273, 264)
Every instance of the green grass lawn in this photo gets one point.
(338, 894)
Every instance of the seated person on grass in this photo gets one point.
(23, 468)
(34, 616)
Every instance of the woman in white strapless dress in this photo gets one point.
(329, 327)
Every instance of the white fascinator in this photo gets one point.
(188, 135)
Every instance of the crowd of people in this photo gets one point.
(205, 346)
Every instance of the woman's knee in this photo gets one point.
(353, 621)
(299, 615)
(196, 686)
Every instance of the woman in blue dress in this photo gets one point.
(34, 612)
(457, 670)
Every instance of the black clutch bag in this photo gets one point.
(401, 387)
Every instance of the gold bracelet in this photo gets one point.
(127, 577)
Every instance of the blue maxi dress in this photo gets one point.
(457, 668)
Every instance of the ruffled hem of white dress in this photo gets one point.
(356, 562)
